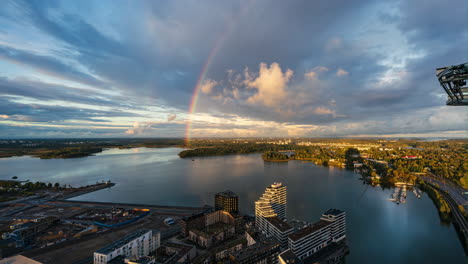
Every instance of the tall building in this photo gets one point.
(271, 203)
(227, 201)
(337, 218)
(270, 213)
(136, 245)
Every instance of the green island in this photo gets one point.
(275, 156)
(66, 153)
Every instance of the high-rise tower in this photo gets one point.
(272, 202)
(227, 201)
(270, 213)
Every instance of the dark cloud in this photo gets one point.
(53, 113)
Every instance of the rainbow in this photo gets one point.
(205, 69)
(196, 90)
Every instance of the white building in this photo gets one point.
(278, 229)
(337, 218)
(136, 245)
(310, 239)
(272, 203)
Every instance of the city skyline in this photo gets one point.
(238, 69)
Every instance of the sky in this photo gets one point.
(209, 68)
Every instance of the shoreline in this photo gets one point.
(37, 155)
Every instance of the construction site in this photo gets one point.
(49, 229)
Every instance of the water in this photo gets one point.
(379, 231)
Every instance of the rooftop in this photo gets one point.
(119, 243)
(278, 223)
(331, 251)
(276, 185)
(309, 230)
(227, 193)
(255, 249)
(333, 211)
(182, 249)
(289, 257)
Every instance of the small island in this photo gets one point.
(67, 153)
(275, 156)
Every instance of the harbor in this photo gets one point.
(399, 194)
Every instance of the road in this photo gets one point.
(456, 192)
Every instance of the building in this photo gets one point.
(288, 257)
(318, 241)
(310, 239)
(179, 253)
(190, 222)
(215, 228)
(26, 233)
(261, 252)
(271, 204)
(136, 245)
(227, 201)
(278, 229)
(337, 218)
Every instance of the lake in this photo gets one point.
(379, 231)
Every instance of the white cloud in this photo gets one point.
(270, 84)
(139, 128)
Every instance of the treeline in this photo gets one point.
(73, 152)
(232, 149)
(439, 201)
(16, 186)
(275, 156)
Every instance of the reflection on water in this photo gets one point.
(379, 231)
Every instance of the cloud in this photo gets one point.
(313, 74)
(68, 65)
(4, 116)
(341, 73)
(139, 128)
(323, 111)
(207, 86)
(270, 84)
(171, 117)
(333, 44)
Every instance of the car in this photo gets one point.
(169, 221)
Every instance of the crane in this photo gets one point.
(453, 80)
